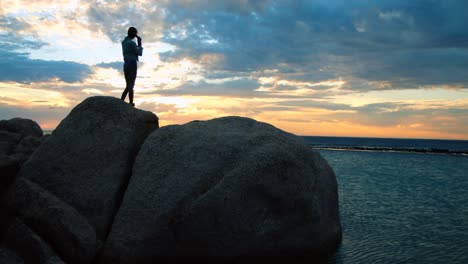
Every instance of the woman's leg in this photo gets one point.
(127, 79)
(130, 72)
(133, 75)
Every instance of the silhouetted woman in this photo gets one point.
(131, 52)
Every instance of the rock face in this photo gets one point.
(69, 190)
(225, 187)
(29, 245)
(19, 138)
(7, 256)
(53, 220)
(109, 187)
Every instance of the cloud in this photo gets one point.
(118, 65)
(115, 18)
(17, 34)
(159, 107)
(19, 68)
(431, 116)
(301, 104)
(16, 65)
(242, 87)
(414, 68)
(295, 120)
(407, 45)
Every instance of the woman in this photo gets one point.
(130, 52)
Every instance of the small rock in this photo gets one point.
(19, 138)
(25, 127)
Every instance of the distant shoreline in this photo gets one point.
(406, 150)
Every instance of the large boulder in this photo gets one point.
(69, 190)
(21, 239)
(9, 167)
(19, 138)
(8, 256)
(225, 187)
(53, 220)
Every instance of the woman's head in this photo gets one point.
(132, 32)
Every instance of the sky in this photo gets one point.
(365, 68)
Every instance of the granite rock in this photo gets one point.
(19, 138)
(226, 187)
(70, 188)
(25, 127)
(27, 244)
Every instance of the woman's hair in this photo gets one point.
(132, 32)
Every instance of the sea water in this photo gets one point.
(399, 206)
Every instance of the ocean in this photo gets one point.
(401, 200)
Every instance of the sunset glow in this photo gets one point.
(330, 68)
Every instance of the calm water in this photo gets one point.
(399, 207)
(390, 144)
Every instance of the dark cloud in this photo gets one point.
(113, 65)
(297, 104)
(434, 117)
(277, 108)
(243, 87)
(406, 43)
(417, 67)
(19, 68)
(12, 41)
(295, 120)
(13, 23)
